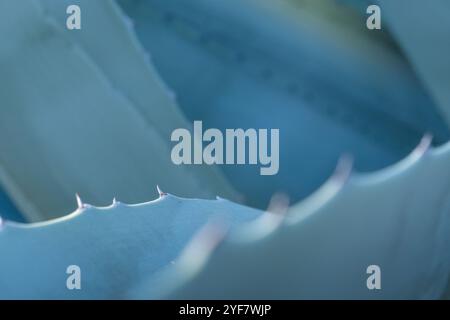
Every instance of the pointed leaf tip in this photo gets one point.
(160, 192)
(422, 148)
(279, 203)
(343, 168)
(425, 142)
(79, 201)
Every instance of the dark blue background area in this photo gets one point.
(8, 210)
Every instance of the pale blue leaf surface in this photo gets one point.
(66, 127)
(116, 247)
(397, 218)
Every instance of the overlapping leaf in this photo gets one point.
(397, 218)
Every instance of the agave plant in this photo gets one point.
(89, 112)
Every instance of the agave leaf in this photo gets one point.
(309, 68)
(65, 127)
(115, 247)
(397, 218)
(130, 70)
(422, 28)
(121, 58)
